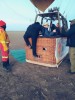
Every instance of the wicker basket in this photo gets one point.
(46, 49)
(51, 50)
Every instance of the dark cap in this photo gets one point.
(72, 21)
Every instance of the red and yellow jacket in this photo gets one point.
(4, 39)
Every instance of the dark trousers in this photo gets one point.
(34, 41)
(6, 64)
(27, 41)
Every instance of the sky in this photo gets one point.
(18, 14)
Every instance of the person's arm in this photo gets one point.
(69, 33)
(42, 30)
(3, 39)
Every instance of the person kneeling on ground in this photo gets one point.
(33, 33)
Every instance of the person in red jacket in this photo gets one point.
(4, 45)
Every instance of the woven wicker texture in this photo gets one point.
(46, 50)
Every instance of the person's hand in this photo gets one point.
(54, 30)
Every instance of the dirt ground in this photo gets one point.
(33, 82)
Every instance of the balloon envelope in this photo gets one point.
(42, 4)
